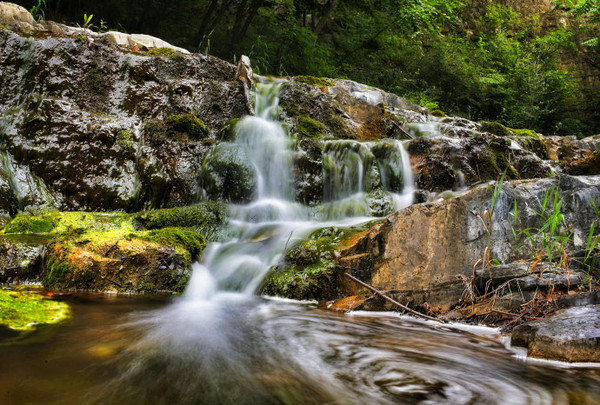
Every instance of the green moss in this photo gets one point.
(315, 81)
(192, 241)
(177, 127)
(495, 128)
(188, 124)
(22, 310)
(306, 127)
(165, 53)
(301, 282)
(125, 140)
(56, 274)
(29, 224)
(438, 113)
(530, 140)
(338, 127)
(97, 80)
(207, 217)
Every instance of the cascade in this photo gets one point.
(361, 180)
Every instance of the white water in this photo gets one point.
(360, 179)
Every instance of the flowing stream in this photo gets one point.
(220, 343)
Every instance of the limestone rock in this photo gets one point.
(571, 335)
(13, 15)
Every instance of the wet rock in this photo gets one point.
(571, 335)
(21, 259)
(95, 131)
(228, 175)
(430, 249)
(442, 163)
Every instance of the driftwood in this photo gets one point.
(391, 300)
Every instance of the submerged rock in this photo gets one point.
(571, 335)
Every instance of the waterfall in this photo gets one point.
(362, 180)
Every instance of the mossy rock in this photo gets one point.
(191, 241)
(530, 141)
(586, 166)
(437, 113)
(23, 310)
(495, 128)
(29, 224)
(188, 124)
(228, 175)
(301, 282)
(307, 127)
(175, 127)
(206, 217)
(165, 53)
(315, 81)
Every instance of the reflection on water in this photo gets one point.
(237, 349)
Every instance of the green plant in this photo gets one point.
(486, 219)
(87, 21)
(38, 11)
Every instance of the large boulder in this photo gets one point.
(571, 335)
(428, 250)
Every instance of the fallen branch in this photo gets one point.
(402, 130)
(393, 301)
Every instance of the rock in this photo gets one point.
(228, 175)
(427, 249)
(21, 259)
(571, 335)
(96, 131)
(13, 15)
(244, 70)
(149, 251)
(148, 42)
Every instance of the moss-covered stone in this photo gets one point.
(109, 251)
(23, 310)
(227, 133)
(29, 224)
(191, 241)
(307, 127)
(188, 124)
(315, 81)
(438, 113)
(530, 141)
(175, 127)
(165, 53)
(495, 128)
(207, 217)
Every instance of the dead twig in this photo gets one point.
(393, 301)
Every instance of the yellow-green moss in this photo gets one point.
(188, 124)
(438, 113)
(529, 140)
(315, 81)
(307, 127)
(29, 224)
(192, 241)
(495, 128)
(22, 310)
(165, 53)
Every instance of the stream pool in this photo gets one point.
(239, 349)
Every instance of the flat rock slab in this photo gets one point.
(571, 335)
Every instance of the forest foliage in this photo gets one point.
(495, 64)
